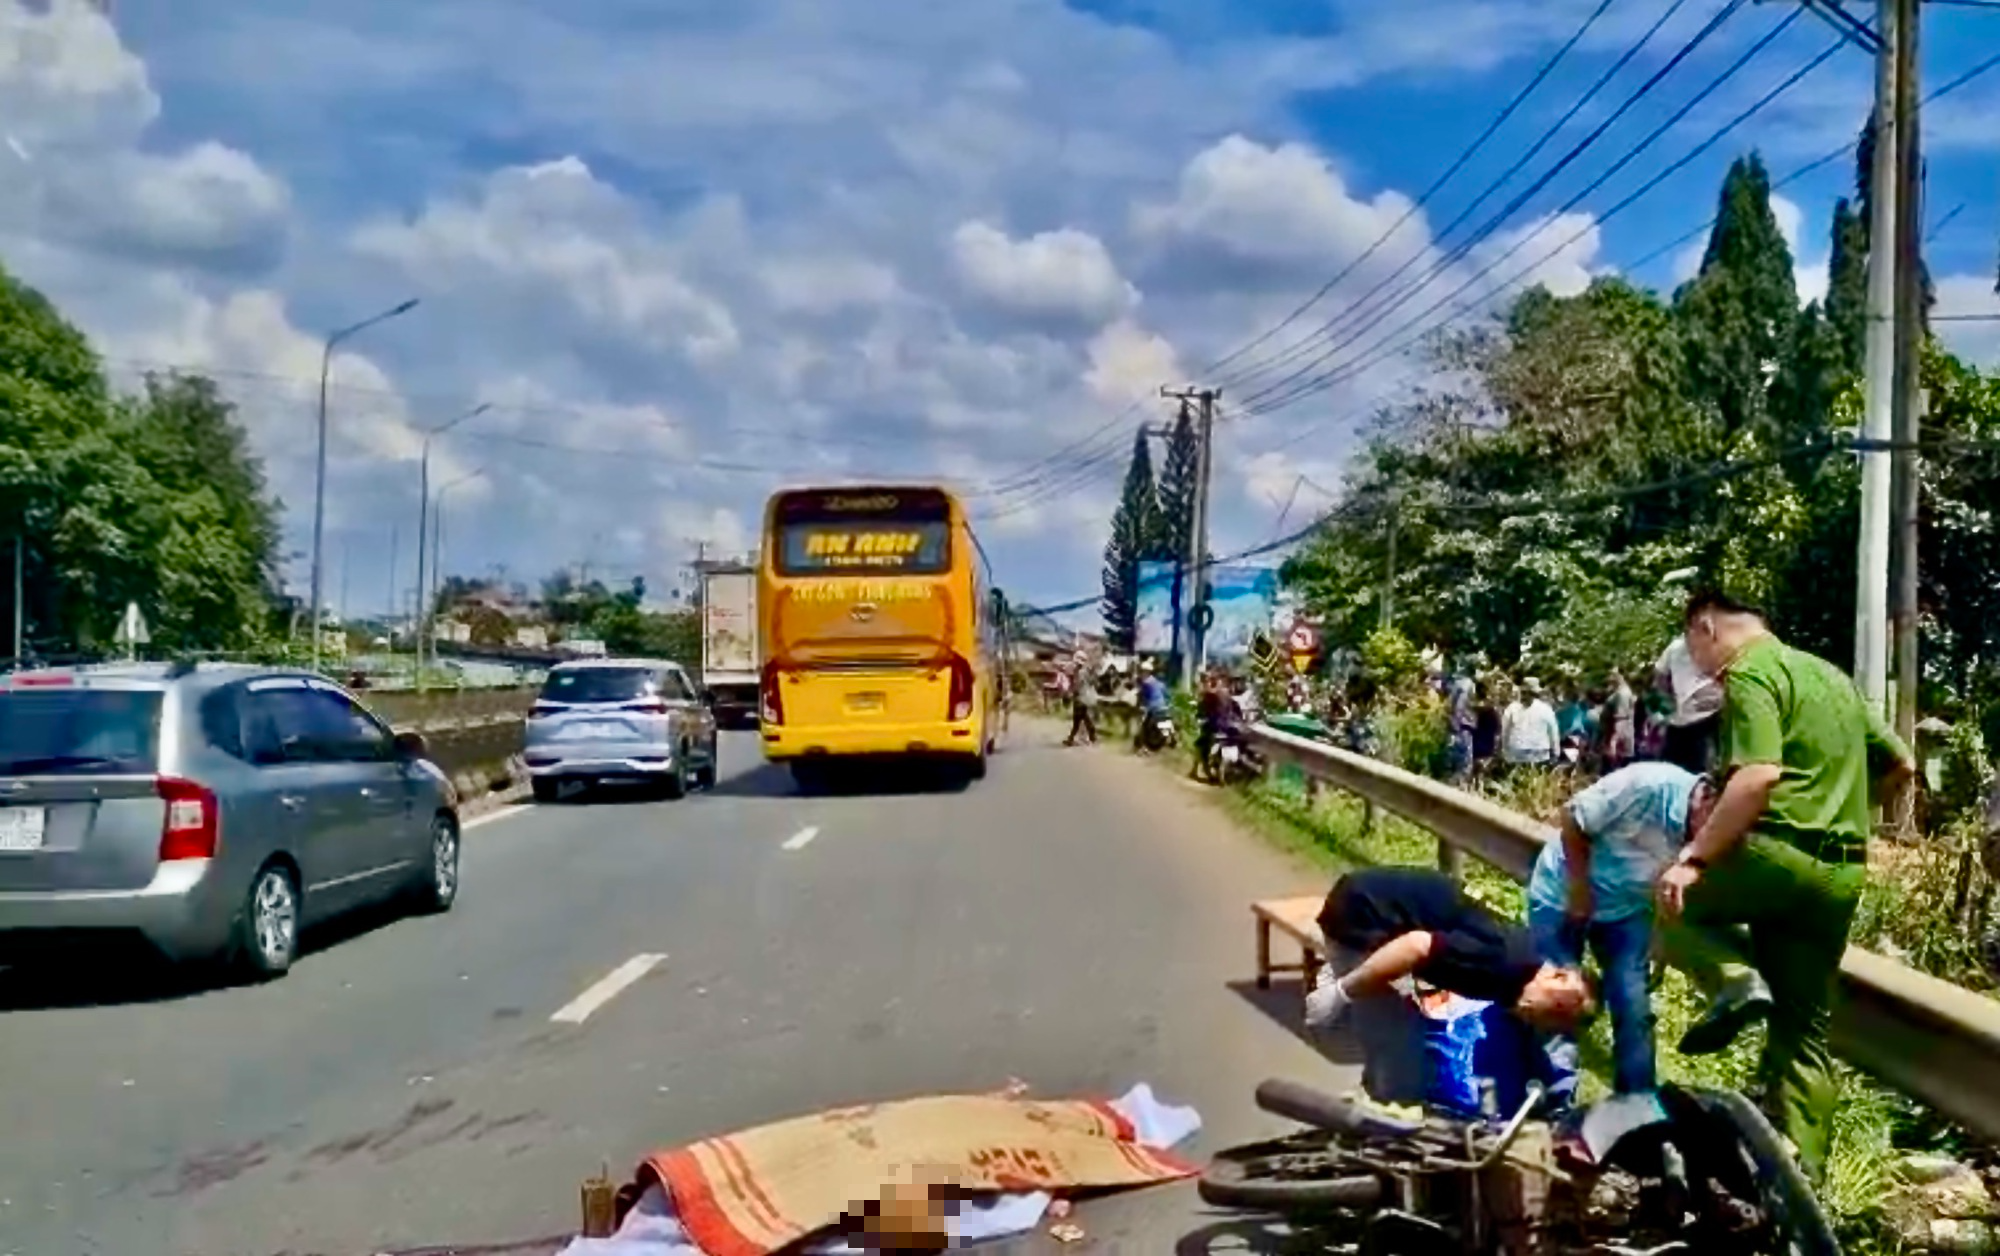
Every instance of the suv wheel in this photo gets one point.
(674, 785)
(268, 932)
(547, 789)
(439, 889)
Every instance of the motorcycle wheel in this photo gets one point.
(1297, 1173)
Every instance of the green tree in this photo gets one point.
(1741, 310)
(1847, 286)
(1136, 536)
(1179, 481)
(153, 499)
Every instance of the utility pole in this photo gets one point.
(1197, 559)
(1871, 603)
(1909, 400)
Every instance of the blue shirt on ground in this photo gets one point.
(1636, 819)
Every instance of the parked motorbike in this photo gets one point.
(1230, 760)
(1713, 1177)
(1157, 731)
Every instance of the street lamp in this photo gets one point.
(423, 515)
(319, 470)
(437, 558)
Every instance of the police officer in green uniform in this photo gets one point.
(1783, 857)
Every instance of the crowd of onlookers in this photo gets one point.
(1498, 722)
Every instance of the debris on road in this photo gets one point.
(986, 1166)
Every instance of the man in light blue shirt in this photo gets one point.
(1596, 884)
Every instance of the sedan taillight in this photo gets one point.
(192, 825)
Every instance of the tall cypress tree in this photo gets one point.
(1742, 310)
(1135, 538)
(1177, 485)
(1847, 285)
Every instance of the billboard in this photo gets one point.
(1155, 614)
(1244, 599)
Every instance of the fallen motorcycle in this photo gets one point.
(1710, 1177)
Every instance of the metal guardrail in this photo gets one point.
(1925, 1037)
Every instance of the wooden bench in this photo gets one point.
(1297, 919)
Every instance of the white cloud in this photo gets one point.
(1975, 338)
(554, 232)
(1280, 206)
(686, 256)
(74, 104)
(1064, 273)
(1129, 363)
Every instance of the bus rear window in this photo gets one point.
(864, 547)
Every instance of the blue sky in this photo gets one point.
(689, 251)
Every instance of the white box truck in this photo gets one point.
(729, 655)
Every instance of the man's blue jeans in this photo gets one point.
(1624, 951)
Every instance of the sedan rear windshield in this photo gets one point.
(597, 684)
(62, 732)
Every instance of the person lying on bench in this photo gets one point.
(1416, 922)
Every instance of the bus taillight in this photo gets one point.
(961, 688)
(770, 703)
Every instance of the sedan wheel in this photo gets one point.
(269, 939)
(440, 890)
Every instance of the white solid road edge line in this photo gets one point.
(606, 988)
(798, 840)
(504, 813)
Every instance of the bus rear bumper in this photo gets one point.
(932, 738)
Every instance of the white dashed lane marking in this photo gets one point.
(607, 988)
(798, 840)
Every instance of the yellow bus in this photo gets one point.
(879, 630)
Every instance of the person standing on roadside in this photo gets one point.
(1461, 697)
(1618, 728)
(1083, 708)
(1593, 888)
(1783, 856)
(1697, 708)
(1528, 733)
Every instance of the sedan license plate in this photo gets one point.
(21, 828)
(866, 703)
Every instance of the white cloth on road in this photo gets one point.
(1697, 695)
(651, 1229)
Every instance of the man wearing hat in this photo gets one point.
(1528, 730)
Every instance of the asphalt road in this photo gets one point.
(1077, 921)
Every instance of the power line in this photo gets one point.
(1353, 315)
(1471, 150)
(1334, 375)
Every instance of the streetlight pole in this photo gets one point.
(423, 521)
(319, 465)
(437, 551)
